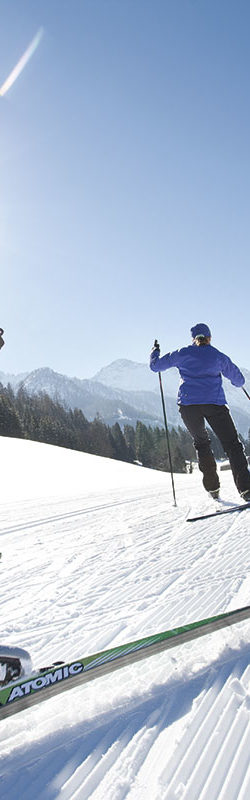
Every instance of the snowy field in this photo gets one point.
(94, 554)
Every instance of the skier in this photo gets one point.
(201, 397)
(1, 338)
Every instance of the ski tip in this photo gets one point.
(219, 512)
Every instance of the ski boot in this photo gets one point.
(10, 669)
(215, 494)
(246, 495)
(14, 664)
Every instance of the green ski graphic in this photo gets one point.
(43, 685)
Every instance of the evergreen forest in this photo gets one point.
(40, 418)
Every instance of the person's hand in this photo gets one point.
(156, 346)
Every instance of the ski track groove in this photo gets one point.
(69, 515)
(139, 576)
(126, 749)
(149, 558)
(195, 770)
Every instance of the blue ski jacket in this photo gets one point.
(201, 370)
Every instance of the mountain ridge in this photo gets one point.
(124, 391)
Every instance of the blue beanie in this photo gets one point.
(200, 330)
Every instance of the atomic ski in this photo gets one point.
(43, 685)
(230, 510)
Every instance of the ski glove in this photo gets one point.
(156, 347)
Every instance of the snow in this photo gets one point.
(94, 554)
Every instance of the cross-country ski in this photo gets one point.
(60, 677)
(219, 511)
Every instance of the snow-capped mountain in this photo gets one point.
(133, 376)
(14, 380)
(93, 398)
(124, 391)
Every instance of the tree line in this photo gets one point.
(42, 419)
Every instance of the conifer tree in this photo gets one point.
(120, 446)
(10, 423)
(129, 434)
(144, 444)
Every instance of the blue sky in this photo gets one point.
(125, 180)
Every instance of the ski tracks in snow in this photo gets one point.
(79, 578)
(186, 739)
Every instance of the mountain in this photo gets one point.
(123, 391)
(14, 380)
(133, 376)
(94, 398)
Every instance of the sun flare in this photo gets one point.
(21, 63)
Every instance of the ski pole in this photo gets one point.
(245, 392)
(167, 436)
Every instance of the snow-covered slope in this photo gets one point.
(95, 554)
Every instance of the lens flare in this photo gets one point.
(21, 63)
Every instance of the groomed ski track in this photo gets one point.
(94, 554)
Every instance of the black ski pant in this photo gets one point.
(220, 420)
